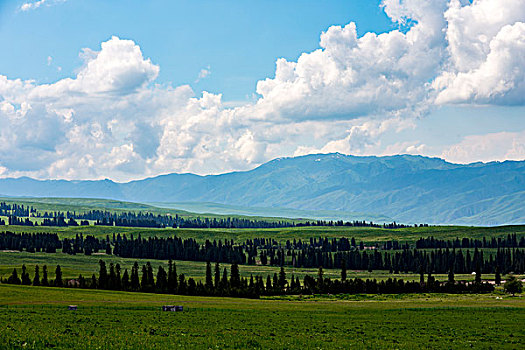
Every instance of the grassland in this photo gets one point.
(366, 234)
(37, 317)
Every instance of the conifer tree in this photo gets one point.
(497, 278)
(112, 277)
(58, 277)
(343, 270)
(235, 277)
(134, 279)
(172, 277)
(102, 275)
(183, 287)
(217, 277)
(478, 274)
(513, 285)
(162, 281)
(144, 283)
(94, 283)
(268, 284)
(25, 276)
(282, 279)
(209, 277)
(44, 281)
(125, 280)
(451, 280)
(14, 279)
(224, 280)
(118, 278)
(320, 279)
(36, 278)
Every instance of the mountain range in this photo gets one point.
(406, 188)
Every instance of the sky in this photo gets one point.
(127, 89)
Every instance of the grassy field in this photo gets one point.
(37, 317)
(368, 235)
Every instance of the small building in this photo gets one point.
(72, 308)
(172, 308)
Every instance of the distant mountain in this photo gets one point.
(406, 188)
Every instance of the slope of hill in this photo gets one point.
(405, 188)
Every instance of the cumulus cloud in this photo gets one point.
(486, 42)
(374, 74)
(488, 147)
(112, 120)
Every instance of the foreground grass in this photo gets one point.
(37, 317)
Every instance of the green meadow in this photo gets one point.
(37, 317)
(366, 234)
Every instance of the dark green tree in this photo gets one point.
(172, 277)
(36, 278)
(14, 279)
(102, 275)
(125, 280)
(282, 279)
(343, 270)
(451, 279)
(320, 279)
(183, 286)
(112, 277)
(268, 284)
(217, 277)
(25, 276)
(224, 280)
(497, 278)
(513, 285)
(235, 277)
(44, 281)
(134, 279)
(478, 274)
(162, 281)
(58, 277)
(209, 277)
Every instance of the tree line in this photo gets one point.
(219, 282)
(7, 209)
(314, 253)
(19, 215)
(511, 241)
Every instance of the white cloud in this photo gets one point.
(350, 77)
(36, 4)
(486, 148)
(111, 120)
(486, 42)
(204, 73)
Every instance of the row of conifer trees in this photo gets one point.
(219, 282)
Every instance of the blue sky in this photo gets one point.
(238, 40)
(128, 89)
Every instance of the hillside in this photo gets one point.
(405, 188)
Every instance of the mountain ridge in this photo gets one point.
(404, 187)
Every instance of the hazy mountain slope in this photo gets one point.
(406, 188)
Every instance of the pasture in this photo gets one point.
(368, 235)
(37, 317)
